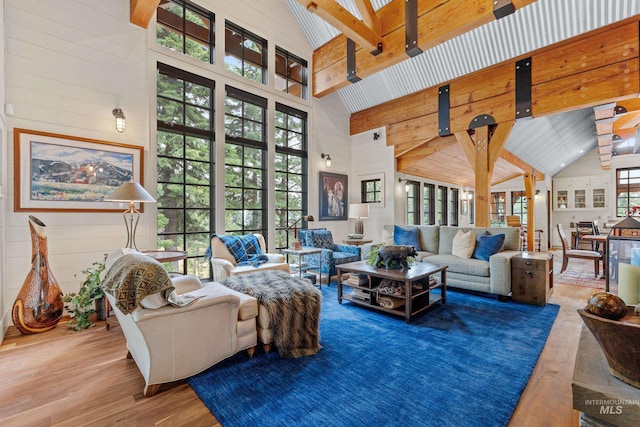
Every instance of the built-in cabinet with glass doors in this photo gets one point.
(578, 193)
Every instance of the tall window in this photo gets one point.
(186, 28)
(291, 172)
(453, 209)
(472, 208)
(245, 53)
(498, 217)
(371, 191)
(441, 206)
(185, 139)
(291, 74)
(627, 190)
(413, 202)
(519, 205)
(245, 118)
(429, 204)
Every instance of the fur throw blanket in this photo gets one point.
(293, 305)
(133, 277)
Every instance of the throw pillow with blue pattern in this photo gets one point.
(322, 239)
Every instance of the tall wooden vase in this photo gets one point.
(38, 306)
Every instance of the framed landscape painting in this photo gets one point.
(333, 196)
(70, 174)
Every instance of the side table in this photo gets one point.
(301, 267)
(356, 242)
(532, 277)
(160, 256)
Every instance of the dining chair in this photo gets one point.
(583, 228)
(577, 253)
(514, 221)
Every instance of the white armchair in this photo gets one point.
(225, 265)
(172, 343)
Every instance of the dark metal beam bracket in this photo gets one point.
(411, 28)
(482, 120)
(444, 121)
(502, 8)
(523, 88)
(351, 61)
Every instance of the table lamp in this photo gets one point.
(130, 192)
(296, 243)
(359, 211)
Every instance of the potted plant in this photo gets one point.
(81, 304)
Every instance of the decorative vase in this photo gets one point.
(39, 304)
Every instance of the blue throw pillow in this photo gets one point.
(487, 245)
(406, 236)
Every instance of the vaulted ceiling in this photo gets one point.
(459, 38)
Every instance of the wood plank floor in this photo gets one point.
(83, 378)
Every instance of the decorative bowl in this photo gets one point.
(620, 343)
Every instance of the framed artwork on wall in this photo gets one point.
(333, 196)
(61, 173)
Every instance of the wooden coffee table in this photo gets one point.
(417, 298)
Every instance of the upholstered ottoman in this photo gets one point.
(247, 312)
(288, 310)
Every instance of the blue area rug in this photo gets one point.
(464, 363)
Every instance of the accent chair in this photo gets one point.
(332, 254)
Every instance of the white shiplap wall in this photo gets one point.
(70, 62)
(371, 159)
(4, 304)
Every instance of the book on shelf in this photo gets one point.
(360, 294)
(358, 279)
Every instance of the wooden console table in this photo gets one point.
(415, 300)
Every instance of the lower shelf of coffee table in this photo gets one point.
(418, 303)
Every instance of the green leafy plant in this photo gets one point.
(81, 304)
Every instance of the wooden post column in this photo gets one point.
(529, 187)
(482, 155)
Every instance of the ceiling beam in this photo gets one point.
(424, 150)
(141, 11)
(438, 21)
(346, 23)
(586, 71)
(369, 16)
(518, 162)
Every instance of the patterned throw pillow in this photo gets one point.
(322, 239)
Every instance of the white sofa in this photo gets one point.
(170, 343)
(224, 264)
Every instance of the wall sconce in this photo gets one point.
(407, 187)
(328, 159)
(121, 123)
(537, 196)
